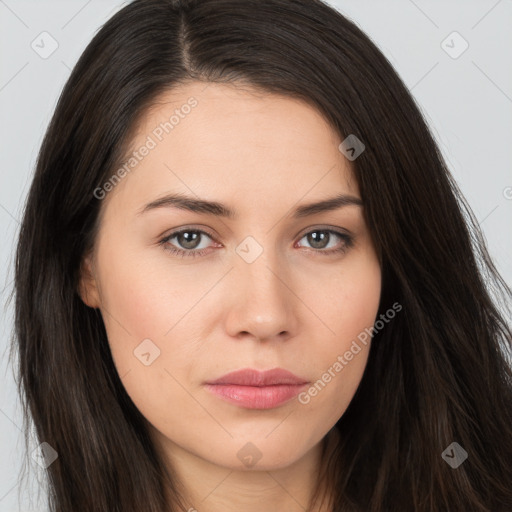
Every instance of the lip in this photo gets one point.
(253, 389)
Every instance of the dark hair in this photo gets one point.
(437, 374)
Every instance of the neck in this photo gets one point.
(207, 487)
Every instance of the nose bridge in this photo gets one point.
(262, 301)
(262, 276)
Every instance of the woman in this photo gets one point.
(245, 278)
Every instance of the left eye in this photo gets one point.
(188, 241)
(320, 238)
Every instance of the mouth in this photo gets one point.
(253, 389)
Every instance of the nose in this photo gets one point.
(262, 303)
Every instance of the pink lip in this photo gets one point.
(253, 389)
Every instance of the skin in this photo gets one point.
(293, 307)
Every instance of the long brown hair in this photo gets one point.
(438, 374)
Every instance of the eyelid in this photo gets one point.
(200, 229)
(325, 227)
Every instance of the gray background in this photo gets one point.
(467, 101)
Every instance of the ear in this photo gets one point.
(87, 286)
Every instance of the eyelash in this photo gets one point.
(348, 243)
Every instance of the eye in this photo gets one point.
(187, 238)
(188, 241)
(320, 239)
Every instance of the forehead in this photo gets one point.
(210, 138)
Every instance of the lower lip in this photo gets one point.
(252, 397)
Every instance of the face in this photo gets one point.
(190, 294)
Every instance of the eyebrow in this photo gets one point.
(183, 202)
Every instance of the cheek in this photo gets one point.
(348, 299)
(349, 308)
(134, 311)
(142, 300)
(148, 314)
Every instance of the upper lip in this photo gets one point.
(251, 377)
